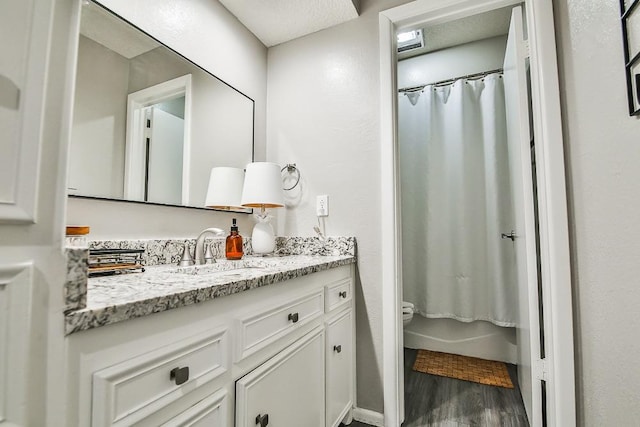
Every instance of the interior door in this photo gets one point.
(164, 167)
(519, 143)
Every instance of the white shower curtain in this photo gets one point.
(455, 198)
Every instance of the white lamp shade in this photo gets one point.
(225, 188)
(262, 186)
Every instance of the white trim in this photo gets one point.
(134, 150)
(393, 376)
(552, 202)
(368, 417)
(552, 207)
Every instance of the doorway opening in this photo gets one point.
(459, 152)
(158, 143)
(545, 362)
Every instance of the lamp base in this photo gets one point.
(263, 240)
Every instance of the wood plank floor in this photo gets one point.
(433, 401)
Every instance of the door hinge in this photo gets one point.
(541, 370)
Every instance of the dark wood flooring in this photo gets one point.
(433, 401)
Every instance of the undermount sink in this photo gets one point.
(221, 268)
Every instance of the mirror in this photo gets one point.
(149, 124)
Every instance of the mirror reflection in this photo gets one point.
(148, 124)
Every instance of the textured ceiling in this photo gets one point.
(278, 21)
(465, 30)
(112, 33)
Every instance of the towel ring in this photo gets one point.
(291, 168)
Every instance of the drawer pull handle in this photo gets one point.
(343, 294)
(293, 317)
(179, 375)
(337, 348)
(263, 420)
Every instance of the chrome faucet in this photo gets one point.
(200, 259)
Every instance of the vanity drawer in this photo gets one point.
(255, 331)
(134, 389)
(337, 294)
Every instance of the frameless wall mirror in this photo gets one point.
(149, 124)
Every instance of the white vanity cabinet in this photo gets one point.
(262, 357)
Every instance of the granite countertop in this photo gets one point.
(113, 299)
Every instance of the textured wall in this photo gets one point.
(603, 155)
(205, 32)
(323, 103)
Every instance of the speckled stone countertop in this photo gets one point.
(160, 288)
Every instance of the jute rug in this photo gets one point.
(464, 368)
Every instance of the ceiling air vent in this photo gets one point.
(410, 40)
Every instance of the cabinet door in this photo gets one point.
(287, 390)
(339, 367)
(209, 412)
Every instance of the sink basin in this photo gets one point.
(220, 269)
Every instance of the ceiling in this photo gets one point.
(278, 21)
(113, 33)
(465, 30)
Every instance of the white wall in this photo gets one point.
(468, 58)
(205, 32)
(603, 155)
(323, 108)
(96, 164)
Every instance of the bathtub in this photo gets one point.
(477, 339)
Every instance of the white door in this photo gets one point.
(35, 62)
(164, 166)
(519, 143)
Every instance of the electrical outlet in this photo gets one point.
(322, 205)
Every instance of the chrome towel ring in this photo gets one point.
(290, 169)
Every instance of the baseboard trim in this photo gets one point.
(368, 417)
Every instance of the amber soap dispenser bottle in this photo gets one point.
(233, 247)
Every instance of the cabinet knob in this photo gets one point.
(343, 294)
(262, 420)
(179, 375)
(293, 317)
(337, 348)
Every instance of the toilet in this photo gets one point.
(407, 313)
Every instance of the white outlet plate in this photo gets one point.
(322, 205)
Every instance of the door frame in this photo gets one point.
(552, 200)
(135, 151)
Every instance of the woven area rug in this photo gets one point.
(464, 368)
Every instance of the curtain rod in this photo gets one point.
(443, 82)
